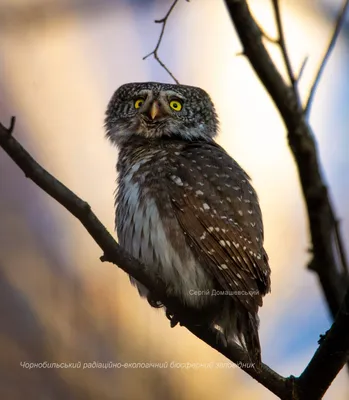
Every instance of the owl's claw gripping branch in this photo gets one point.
(173, 320)
(153, 302)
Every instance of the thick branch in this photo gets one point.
(327, 361)
(282, 387)
(332, 354)
(301, 140)
(326, 240)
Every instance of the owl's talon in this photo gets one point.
(173, 320)
(154, 303)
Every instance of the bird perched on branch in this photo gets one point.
(185, 208)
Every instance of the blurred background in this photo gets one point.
(60, 62)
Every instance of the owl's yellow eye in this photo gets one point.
(176, 105)
(139, 102)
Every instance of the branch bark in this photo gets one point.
(328, 360)
(321, 216)
(333, 353)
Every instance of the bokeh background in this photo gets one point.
(60, 62)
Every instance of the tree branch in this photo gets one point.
(329, 358)
(338, 27)
(282, 43)
(163, 21)
(279, 385)
(301, 140)
(332, 354)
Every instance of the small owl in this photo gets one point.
(186, 209)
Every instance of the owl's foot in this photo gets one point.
(173, 320)
(154, 303)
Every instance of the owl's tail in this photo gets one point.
(237, 323)
(251, 338)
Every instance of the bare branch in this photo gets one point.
(163, 21)
(279, 385)
(339, 243)
(284, 51)
(12, 125)
(294, 81)
(332, 354)
(267, 36)
(338, 27)
(302, 68)
(327, 361)
(320, 210)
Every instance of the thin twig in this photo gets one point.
(284, 51)
(163, 21)
(267, 36)
(340, 245)
(302, 68)
(12, 125)
(338, 27)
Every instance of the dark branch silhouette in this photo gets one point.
(301, 69)
(328, 359)
(338, 27)
(282, 43)
(163, 21)
(325, 235)
(112, 252)
(334, 348)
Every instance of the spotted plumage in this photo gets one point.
(186, 208)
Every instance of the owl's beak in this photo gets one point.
(154, 109)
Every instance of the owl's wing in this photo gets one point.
(219, 213)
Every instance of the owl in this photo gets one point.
(186, 209)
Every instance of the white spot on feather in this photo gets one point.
(177, 180)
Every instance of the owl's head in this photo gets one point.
(155, 110)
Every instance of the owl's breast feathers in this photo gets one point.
(198, 187)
